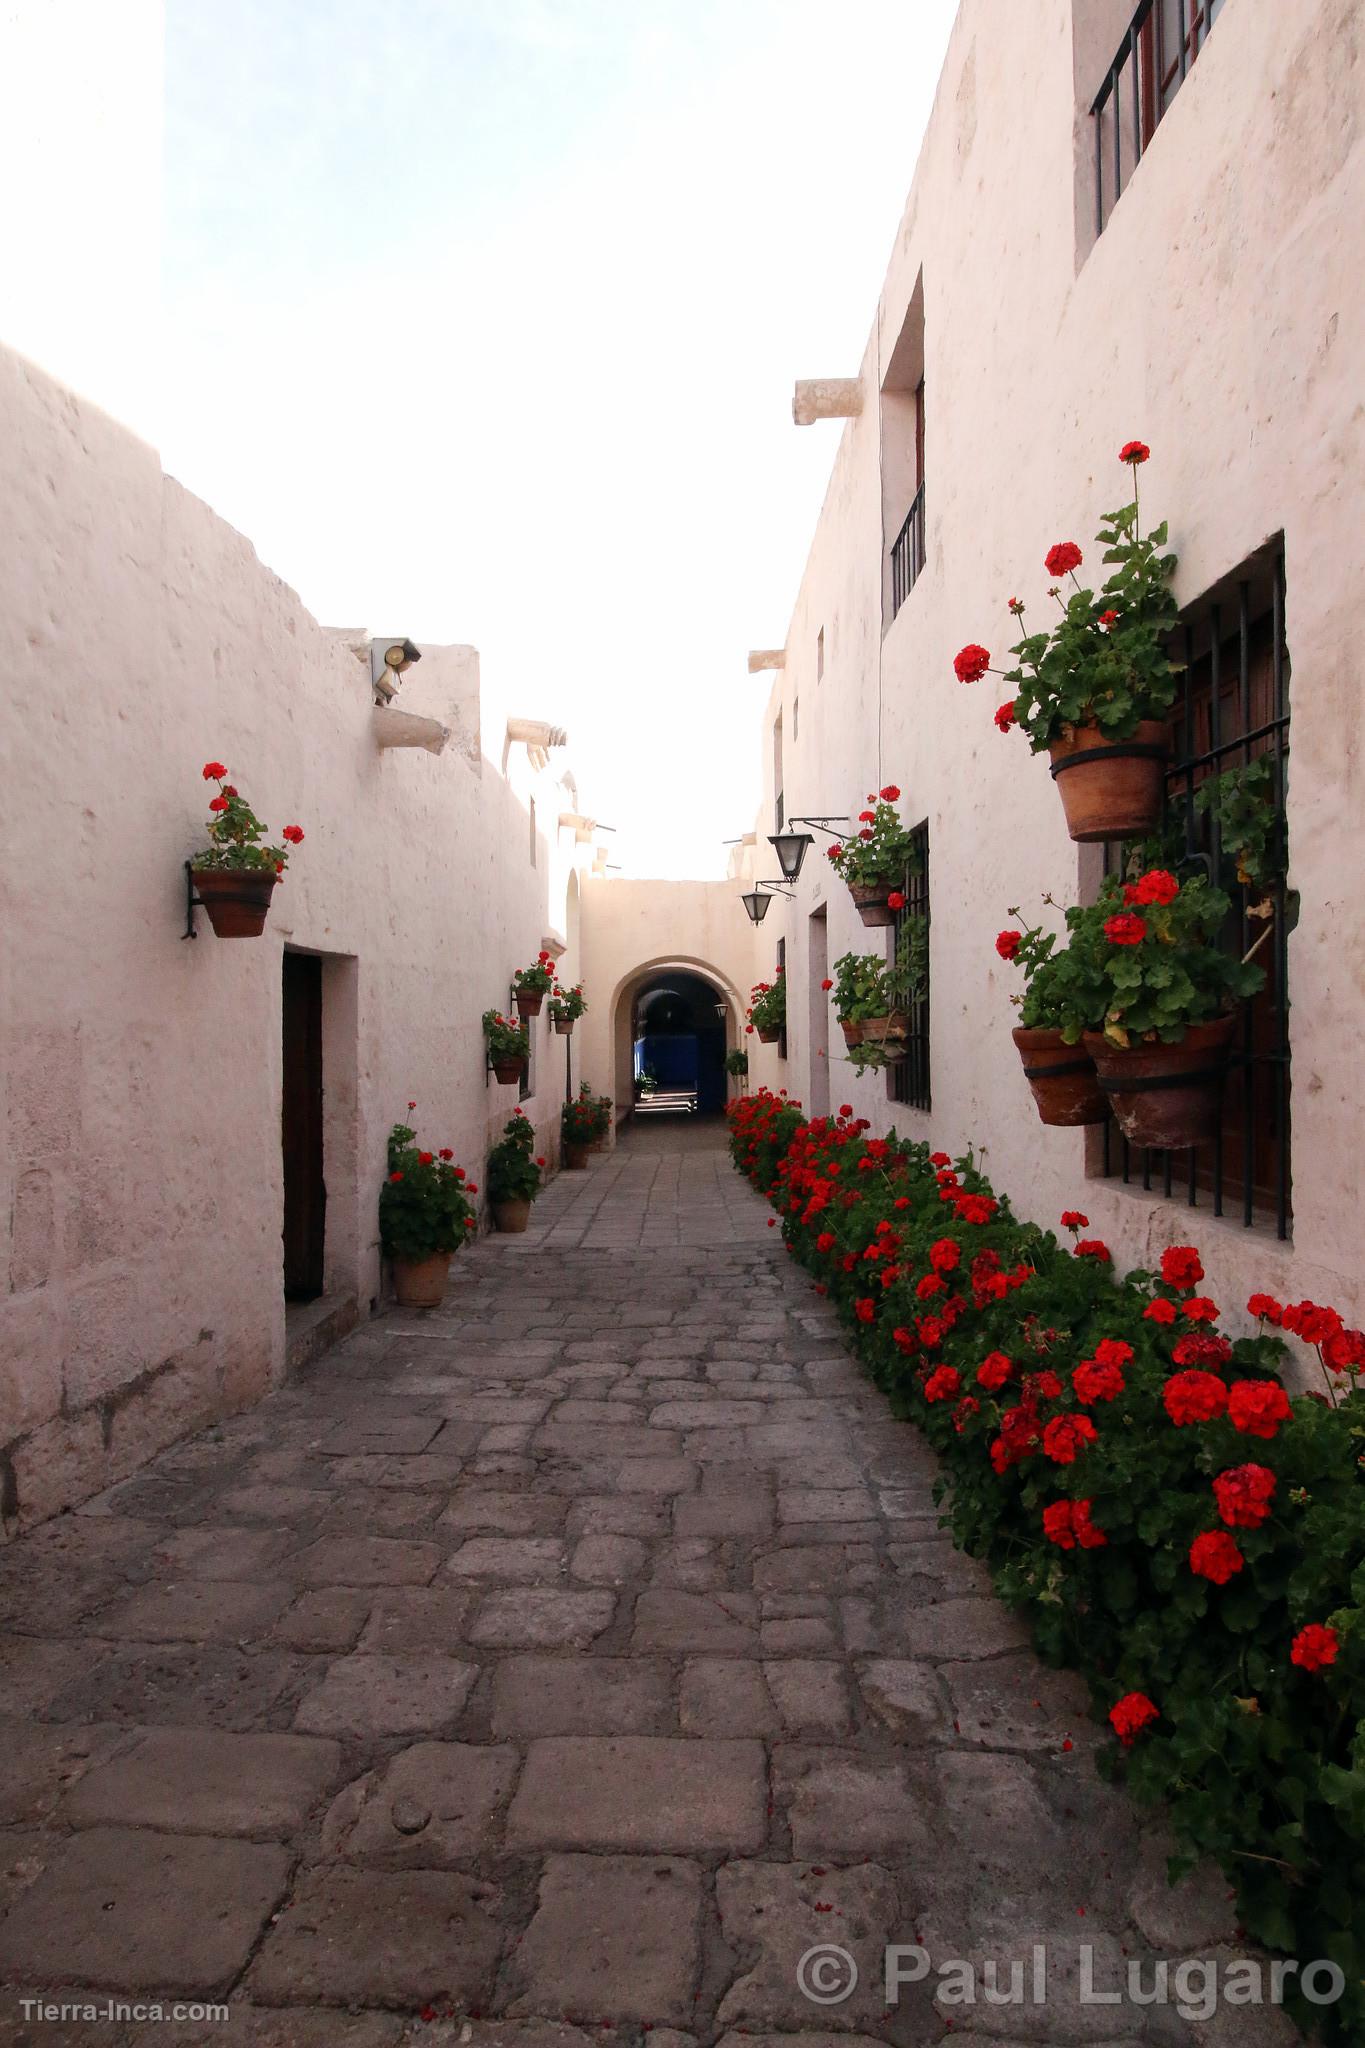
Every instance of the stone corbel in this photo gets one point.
(827, 398)
(405, 729)
(766, 657)
(537, 736)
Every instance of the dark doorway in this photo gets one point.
(305, 1193)
(679, 1045)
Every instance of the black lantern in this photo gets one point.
(756, 903)
(790, 848)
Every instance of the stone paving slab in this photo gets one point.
(558, 1667)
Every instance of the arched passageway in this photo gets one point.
(673, 1023)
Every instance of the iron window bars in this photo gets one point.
(907, 553)
(909, 1078)
(1234, 709)
(1151, 64)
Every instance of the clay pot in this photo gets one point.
(529, 1001)
(576, 1158)
(890, 1029)
(870, 898)
(1062, 1077)
(509, 1070)
(421, 1283)
(1111, 789)
(768, 1037)
(1166, 1096)
(512, 1216)
(852, 1030)
(236, 900)
(564, 1026)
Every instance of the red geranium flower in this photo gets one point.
(1194, 1397)
(1004, 716)
(896, 900)
(971, 662)
(1097, 1379)
(1159, 1311)
(827, 983)
(891, 794)
(446, 1153)
(865, 1310)
(1215, 1556)
(214, 771)
(1181, 1266)
(471, 1187)
(993, 1372)
(1109, 618)
(942, 1384)
(395, 1176)
(1130, 1715)
(1125, 929)
(1244, 1494)
(1265, 1308)
(220, 803)
(1066, 1436)
(1134, 451)
(1257, 1407)
(424, 1158)
(1072, 1219)
(1199, 1309)
(1063, 557)
(1093, 1248)
(1315, 1647)
(1067, 1523)
(294, 834)
(1158, 885)
(1007, 944)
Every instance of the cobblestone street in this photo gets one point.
(577, 1656)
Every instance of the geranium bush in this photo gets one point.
(881, 851)
(236, 834)
(567, 1005)
(768, 1005)
(1168, 1518)
(424, 1204)
(512, 1174)
(537, 979)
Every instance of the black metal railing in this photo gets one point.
(907, 554)
(1235, 710)
(1150, 65)
(909, 1078)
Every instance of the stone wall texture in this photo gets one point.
(1218, 318)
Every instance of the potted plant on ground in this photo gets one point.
(768, 1008)
(1095, 690)
(1168, 992)
(509, 1046)
(875, 860)
(566, 1007)
(236, 874)
(512, 1176)
(1063, 998)
(425, 1215)
(579, 1125)
(533, 984)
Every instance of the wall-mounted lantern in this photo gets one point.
(790, 847)
(756, 901)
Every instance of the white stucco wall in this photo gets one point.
(140, 1173)
(1219, 318)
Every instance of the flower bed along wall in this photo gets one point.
(1169, 1520)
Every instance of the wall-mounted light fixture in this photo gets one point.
(389, 657)
(756, 902)
(722, 1009)
(790, 847)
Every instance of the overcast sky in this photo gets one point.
(481, 319)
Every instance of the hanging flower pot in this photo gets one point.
(529, 1002)
(852, 1030)
(532, 984)
(871, 901)
(509, 1046)
(564, 1027)
(1062, 1078)
(566, 1007)
(421, 1283)
(508, 1070)
(236, 900)
(890, 1029)
(1111, 789)
(511, 1216)
(767, 1035)
(1166, 1096)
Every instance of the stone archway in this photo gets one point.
(678, 985)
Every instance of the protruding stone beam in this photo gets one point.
(766, 657)
(537, 736)
(827, 398)
(581, 827)
(405, 729)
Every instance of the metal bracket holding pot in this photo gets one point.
(191, 903)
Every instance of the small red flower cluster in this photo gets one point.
(1067, 1523)
(971, 662)
(1063, 558)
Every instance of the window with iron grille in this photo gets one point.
(1230, 726)
(1152, 63)
(908, 1078)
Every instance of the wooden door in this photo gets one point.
(305, 1194)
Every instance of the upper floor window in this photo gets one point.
(1152, 62)
(902, 454)
(777, 773)
(820, 655)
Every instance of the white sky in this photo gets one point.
(481, 318)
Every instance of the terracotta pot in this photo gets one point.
(564, 1026)
(1062, 1077)
(768, 1037)
(421, 1283)
(512, 1216)
(529, 1001)
(1111, 789)
(870, 898)
(576, 1158)
(509, 1070)
(852, 1030)
(1166, 1096)
(890, 1029)
(236, 900)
